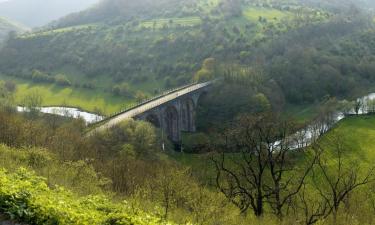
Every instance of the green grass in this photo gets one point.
(90, 100)
(58, 31)
(254, 13)
(359, 134)
(301, 113)
(86, 99)
(175, 22)
(208, 5)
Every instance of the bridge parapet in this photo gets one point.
(134, 106)
(175, 110)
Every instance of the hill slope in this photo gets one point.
(125, 49)
(148, 47)
(40, 12)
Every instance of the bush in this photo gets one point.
(140, 96)
(122, 90)
(27, 197)
(62, 80)
(89, 85)
(38, 76)
(196, 143)
(10, 86)
(203, 75)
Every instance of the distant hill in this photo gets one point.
(108, 10)
(126, 47)
(341, 4)
(7, 26)
(34, 13)
(151, 45)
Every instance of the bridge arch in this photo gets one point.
(154, 120)
(172, 126)
(188, 115)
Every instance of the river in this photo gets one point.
(310, 133)
(67, 112)
(317, 128)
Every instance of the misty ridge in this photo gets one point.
(34, 13)
(37, 13)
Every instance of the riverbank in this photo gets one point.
(90, 100)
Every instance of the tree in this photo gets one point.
(62, 80)
(39, 76)
(262, 169)
(262, 102)
(370, 105)
(326, 118)
(335, 180)
(33, 102)
(122, 90)
(358, 106)
(346, 107)
(207, 72)
(10, 86)
(140, 96)
(7, 95)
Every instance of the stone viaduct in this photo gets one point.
(173, 112)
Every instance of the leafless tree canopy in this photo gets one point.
(263, 169)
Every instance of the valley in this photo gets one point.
(196, 112)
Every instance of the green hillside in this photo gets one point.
(153, 51)
(282, 68)
(33, 199)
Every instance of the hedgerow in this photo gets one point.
(27, 197)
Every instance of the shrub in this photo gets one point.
(62, 80)
(38, 76)
(10, 86)
(196, 143)
(27, 197)
(122, 90)
(89, 85)
(140, 96)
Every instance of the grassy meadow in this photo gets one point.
(254, 13)
(94, 100)
(175, 22)
(358, 134)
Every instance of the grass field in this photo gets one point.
(89, 100)
(301, 113)
(86, 99)
(174, 22)
(254, 13)
(57, 31)
(208, 5)
(358, 134)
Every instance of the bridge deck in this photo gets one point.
(150, 105)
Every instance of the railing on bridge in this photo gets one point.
(134, 106)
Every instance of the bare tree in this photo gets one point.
(333, 180)
(33, 102)
(312, 210)
(261, 170)
(358, 105)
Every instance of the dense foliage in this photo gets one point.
(149, 48)
(27, 197)
(267, 54)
